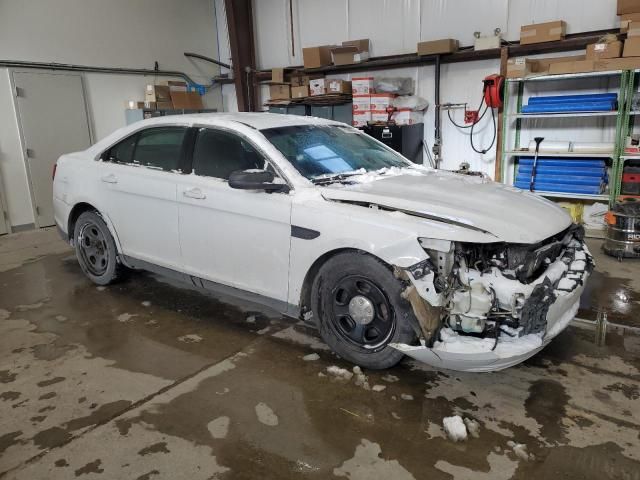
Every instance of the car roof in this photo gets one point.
(257, 120)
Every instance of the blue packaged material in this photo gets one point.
(557, 107)
(578, 175)
(563, 162)
(595, 97)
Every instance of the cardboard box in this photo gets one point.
(542, 32)
(381, 101)
(317, 86)
(633, 30)
(186, 100)
(632, 47)
(164, 105)
(617, 64)
(279, 92)
(300, 91)
(522, 67)
(157, 93)
(315, 57)
(277, 75)
(446, 45)
(350, 52)
(598, 51)
(379, 116)
(362, 85)
(360, 119)
(361, 103)
(573, 66)
(406, 116)
(339, 86)
(625, 20)
(177, 86)
(628, 6)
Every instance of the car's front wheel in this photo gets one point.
(360, 310)
(96, 250)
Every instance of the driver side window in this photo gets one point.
(217, 154)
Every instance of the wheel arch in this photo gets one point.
(312, 272)
(82, 207)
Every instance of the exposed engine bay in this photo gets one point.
(495, 297)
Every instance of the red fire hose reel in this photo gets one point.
(493, 91)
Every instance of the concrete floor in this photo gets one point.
(152, 380)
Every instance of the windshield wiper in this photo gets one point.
(327, 178)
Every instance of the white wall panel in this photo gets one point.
(392, 25)
(460, 18)
(580, 15)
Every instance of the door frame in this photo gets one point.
(5, 224)
(23, 145)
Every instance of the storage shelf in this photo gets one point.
(525, 153)
(566, 76)
(573, 196)
(564, 114)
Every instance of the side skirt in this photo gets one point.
(284, 308)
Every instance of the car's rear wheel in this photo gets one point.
(96, 250)
(360, 310)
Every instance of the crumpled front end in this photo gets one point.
(485, 307)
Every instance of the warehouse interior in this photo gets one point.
(154, 378)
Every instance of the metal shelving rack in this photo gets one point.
(624, 117)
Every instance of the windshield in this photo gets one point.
(327, 151)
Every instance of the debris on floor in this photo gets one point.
(312, 357)
(520, 450)
(406, 396)
(379, 388)
(190, 338)
(146, 303)
(454, 428)
(473, 427)
(251, 319)
(340, 373)
(390, 378)
(361, 379)
(126, 317)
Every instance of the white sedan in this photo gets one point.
(326, 224)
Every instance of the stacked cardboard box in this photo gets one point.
(362, 88)
(629, 11)
(542, 32)
(350, 52)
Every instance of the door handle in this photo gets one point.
(194, 193)
(111, 178)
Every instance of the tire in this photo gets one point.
(360, 331)
(96, 250)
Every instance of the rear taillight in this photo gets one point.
(55, 167)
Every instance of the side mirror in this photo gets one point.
(256, 180)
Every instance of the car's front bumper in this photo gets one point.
(472, 354)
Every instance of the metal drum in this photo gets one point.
(623, 230)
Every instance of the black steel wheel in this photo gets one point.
(96, 249)
(93, 248)
(359, 310)
(362, 313)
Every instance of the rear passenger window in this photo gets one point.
(217, 154)
(123, 151)
(159, 148)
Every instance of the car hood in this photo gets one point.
(508, 214)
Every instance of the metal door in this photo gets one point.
(52, 115)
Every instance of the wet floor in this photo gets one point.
(149, 379)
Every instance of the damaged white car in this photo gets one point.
(323, 222)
